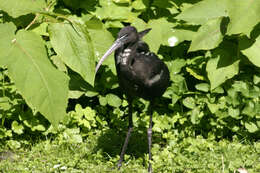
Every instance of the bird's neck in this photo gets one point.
(123, 54)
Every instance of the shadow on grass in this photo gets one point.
(111, 142)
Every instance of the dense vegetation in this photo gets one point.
(48, 88)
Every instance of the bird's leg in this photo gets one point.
(130, 129)
(149, 134)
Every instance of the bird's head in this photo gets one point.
(125, 36)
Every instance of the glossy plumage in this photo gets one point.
(140, 73)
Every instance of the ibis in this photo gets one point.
(141, 74)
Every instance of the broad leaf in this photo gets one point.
(253, 52)
(189, 102)
(113, 100)
(223, 65)
(74, 46)
(17, 8)
(161, 32)
(244, 15)
(43, 87)
(176, 65)
(203, 11)
(138, 5)
(180, 35)
(102, 40)
(208, 36)
(251, 127)
(202, 87)
(6, 36)
(110, 10)
(17, 128)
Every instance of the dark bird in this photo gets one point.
(140, 74)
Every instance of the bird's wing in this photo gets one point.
(147, 69)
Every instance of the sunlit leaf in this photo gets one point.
(176, 65)
(234, 113)
(203, 87)
(74, 46)
(161, 32)
(203, 11)
(17, 128)
(244, 15)
(43, 87)
(17, 8)
(253, 52)
(138, 5)
(195, 116)
(6, 36)
(179, 35)
(102, 40)
(189, 102)
(256, 79)
(223, 65)
(113, 11)
(194, 73)
(251, 127)
(113, 100)
(208, 36)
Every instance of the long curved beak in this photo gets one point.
(119, 42)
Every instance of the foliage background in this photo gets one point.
(48, 51)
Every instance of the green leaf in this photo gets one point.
(110, 10)
(160, 34)
(208, 36)
(175, 98)
(113, 100)
(102, 39)
(244, 15)
(58, 63)
(250, 109)
(202, 87)
(17, 128)
(73, 45)
(138, 5)
(203, 11)
(218, 90)
(251, 127)
(223, 65)
(176, 65)
(72, 135)
(41, 29)
(194, 73)
(5, 104)
(14, 145)
(253, 52)
(122, 1)
(195, 113)
(102, 100)
(213, 107)
(256, 79)
(17, 8)
(234, 113)
(43, 87)
(6, 36)
(189, 102)
(180, 35)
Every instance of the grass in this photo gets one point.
(99, 152)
